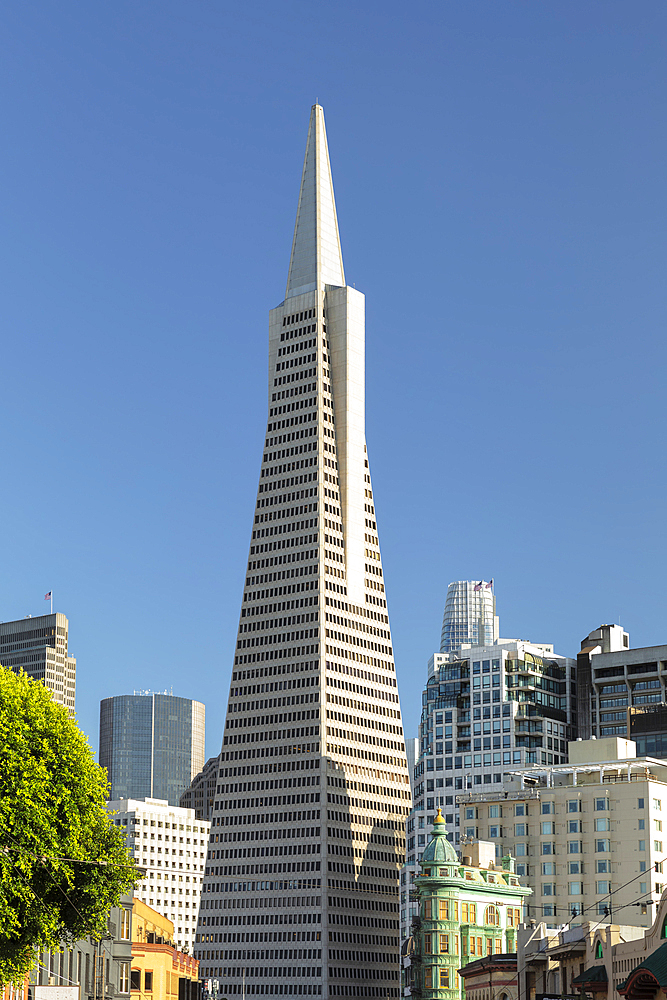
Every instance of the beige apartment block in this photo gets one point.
(589, 835)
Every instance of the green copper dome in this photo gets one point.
(440, 849)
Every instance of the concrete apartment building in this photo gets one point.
(39, 646)
(581, 831)
(485, 710)
(170, 843)
(623, 691)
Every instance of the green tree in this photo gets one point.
(63, 864)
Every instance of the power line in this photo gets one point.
(79, 861)
(44, 969)
(609, 894)
(42, 862)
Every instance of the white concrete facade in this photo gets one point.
(308, 822)
(346, 325)
(316, 259)
(170, 843)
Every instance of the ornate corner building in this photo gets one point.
(467, 911)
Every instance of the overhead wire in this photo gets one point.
(80, 861)
(609, 894)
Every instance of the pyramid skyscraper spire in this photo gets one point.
(301, 892)
(316, 258)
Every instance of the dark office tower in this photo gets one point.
(152, 745)
(39, 647)
(301, 886)
(200, 793)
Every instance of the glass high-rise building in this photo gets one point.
(39, 647)
(488, 708)
(470, 615)
(300, 891)
(152, 745)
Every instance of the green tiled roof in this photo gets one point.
(656, 964)
(440, 848)
(596, 974)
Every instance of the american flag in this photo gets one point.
(47, 597)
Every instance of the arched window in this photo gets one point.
(598, 949)
(663, 932)
(492, 916)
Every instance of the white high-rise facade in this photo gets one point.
(169, 842)
(307, 835)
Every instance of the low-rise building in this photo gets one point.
(588, 836)
(170, 843)
(100, 968)
(17, 991)
(467, 911)
(492, 976)
(159, 970)
(606, 961)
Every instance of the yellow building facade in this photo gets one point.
(159, 970)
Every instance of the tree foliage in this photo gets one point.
(63, 864)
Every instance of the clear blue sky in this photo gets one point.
(500, 178)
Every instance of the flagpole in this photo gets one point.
(51, 602)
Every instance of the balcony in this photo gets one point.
(495, 796)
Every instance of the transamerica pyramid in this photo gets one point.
(301, 891)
